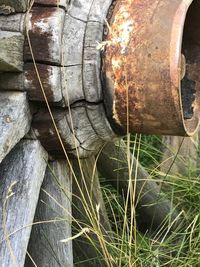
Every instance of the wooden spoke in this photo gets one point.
(11, 51)
(112, 164)
(14, 120)
(54, 214)
(22, 173)
(13, 23)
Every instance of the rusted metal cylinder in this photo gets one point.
(151, 66)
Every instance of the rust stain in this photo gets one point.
(149, 68)
(32, 84)
(41, 33)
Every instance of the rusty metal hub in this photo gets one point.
(151, 66)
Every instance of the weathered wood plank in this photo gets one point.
(13, 23)
(14, 120)
(80, 9)
(87, 202)
(92, 62)
(153, 209)
(54, 207)
(51, 80)
(45, 29)
(73, 38)
(22, 173)
(99, 122)
(62, 85)
(45, 131)
(93, 35)
(72, 84)
(99, 10)
(91, 82)
(180, 155)
(11, 51)
(15, 5)
(83, 130)
(59, 83)
(90, 10)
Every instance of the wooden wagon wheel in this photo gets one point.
(59, 93)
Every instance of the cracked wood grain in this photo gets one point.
(54, 207)
(11, 51)
(15, 120)
(22, 173)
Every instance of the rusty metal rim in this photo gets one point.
(156, 91)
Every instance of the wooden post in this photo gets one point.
(53, 216)
(22, 173)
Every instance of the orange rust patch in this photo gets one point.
(146, 70)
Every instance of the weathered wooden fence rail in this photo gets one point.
(62, 97)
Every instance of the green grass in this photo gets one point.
(182, 247)
(150, 150)
(127, 246)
